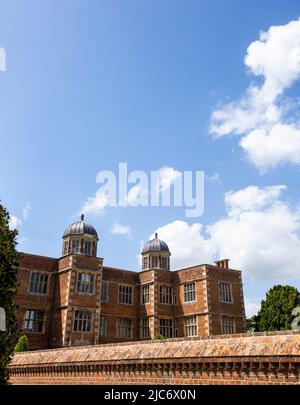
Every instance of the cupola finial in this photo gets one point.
(82, 217)
(156, 235)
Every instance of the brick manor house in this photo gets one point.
(76, 300)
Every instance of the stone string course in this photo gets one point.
(253, 358)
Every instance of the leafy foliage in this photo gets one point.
(158, 336)
(22, 345)
(251, 324)
(276, 310)
(9, 265)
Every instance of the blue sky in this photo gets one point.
(89, 84)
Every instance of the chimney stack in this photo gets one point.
(222, 263)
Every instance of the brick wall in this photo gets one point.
(26, 300)
(253, 358)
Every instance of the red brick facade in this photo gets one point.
(245, 359)
(75, 300)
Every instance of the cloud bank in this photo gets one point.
(270, 134)
(260, 234)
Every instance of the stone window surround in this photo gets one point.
(158, 257)
(68, 241)
(144, 327)
(165, 285)
(43, 321)
(232, 324)
(171, 326)
(105, 325)
(231, 292)
(184, 292)
(39, 272)
(132, 293)
(91, 320)
(147, 294)
(94, 282)
(118, 327)
(107, 291)
(191, 326)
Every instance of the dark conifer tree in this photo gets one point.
(9, 265)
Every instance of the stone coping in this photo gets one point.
(157, 341)
(272, 345)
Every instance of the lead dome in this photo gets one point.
(80, 238)
(155, 245)
(80, 228)
(156, 255)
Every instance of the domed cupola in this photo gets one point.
(80, 228)
(80, 238)
(156, 254)
(155, 245)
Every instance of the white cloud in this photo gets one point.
(167, 177)
(263, 243)
(241, 116)
(269, 136)
(260, 236)
(136, 195)
(186, 243)
(14, 222)
(251, 198)
(118, 229)
(276, 56)
(26, 211)
(214, 178)
(267, 148)
(251, 307)
(96, 204)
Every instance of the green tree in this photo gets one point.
(22, 345)
(158, 336)
(251, 324)
(9, 265)
(276, 310)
